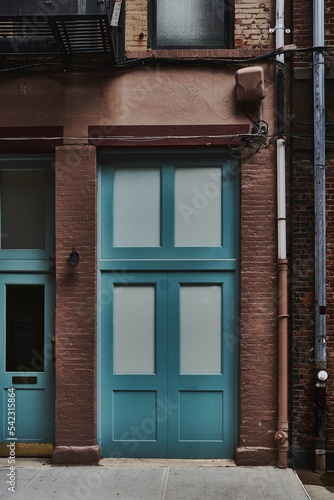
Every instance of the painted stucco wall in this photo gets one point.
(148, 95)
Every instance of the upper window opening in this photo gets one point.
(22, 209)
(190, 24)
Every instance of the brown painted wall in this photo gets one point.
(149, 95)
(152, 96)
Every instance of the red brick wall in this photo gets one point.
(302, 30)
(75, 180)
(303, 374)
(302, 289)
(302, 23)
(302, 309)
(329, 19)
(330, 301)
(303, 27)
(258, 314)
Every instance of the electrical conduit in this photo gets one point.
(320, 233)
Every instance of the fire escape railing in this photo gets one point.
(67, 28)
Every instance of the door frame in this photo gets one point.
(29, 264)
(45, 379)
(124, 266)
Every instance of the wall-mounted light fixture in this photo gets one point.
(250, 84)
(73, 258)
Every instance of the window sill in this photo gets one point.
(196, 53)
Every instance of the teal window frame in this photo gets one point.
(31, 259)
(167, 256)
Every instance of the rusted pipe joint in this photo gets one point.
(282, 264)
(281, 436)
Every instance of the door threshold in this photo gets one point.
(152, 463)
(27, 449)
(119, 463)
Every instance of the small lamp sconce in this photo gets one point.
(73, 258)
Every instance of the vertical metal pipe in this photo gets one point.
(281, 435)
(281, 208)
(280, 116)
(320, 226)
(319, 186)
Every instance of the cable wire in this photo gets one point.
(160, 60)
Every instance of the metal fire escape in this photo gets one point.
(65, 28)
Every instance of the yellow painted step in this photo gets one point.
(27, 449)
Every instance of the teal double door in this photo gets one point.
(168, 365)
(168, 304)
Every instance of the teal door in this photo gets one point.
(168, 365)
(200, 376)
(134, 366)
(168, 304)
(26, 300)
(26, 332)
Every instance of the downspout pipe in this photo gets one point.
(281, 436)
(320, 233)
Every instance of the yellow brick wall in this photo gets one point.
(135, 24)
(252, 23)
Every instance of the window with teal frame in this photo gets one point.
(26, 208)
(174, 205)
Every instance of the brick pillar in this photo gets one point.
(75, 192)
(258, 312)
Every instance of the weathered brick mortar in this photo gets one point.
(252, 23)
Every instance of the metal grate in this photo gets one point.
(83, 35)
(66, 35)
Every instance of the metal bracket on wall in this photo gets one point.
(279, 27)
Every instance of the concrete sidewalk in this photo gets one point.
(150, 480)
(319, 487)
